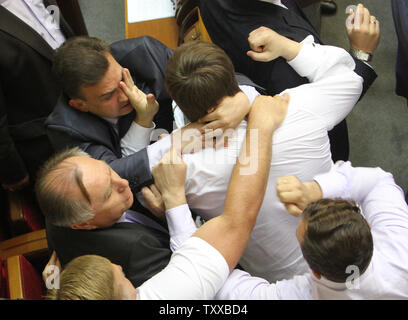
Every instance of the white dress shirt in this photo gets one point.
(34, 14)
(383, 205)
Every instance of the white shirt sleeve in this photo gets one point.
(157, 150)
(250, 92)
(135, 139)
(335, 87)
(195, 271)
(181, 225)
(240, 285)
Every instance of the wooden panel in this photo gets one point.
(27, 244)
(166, 30)
(204, 33)
(14, 278)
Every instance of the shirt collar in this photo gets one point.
(342, 286)
(113, 121)
(277, 2)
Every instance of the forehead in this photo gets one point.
(95, 175)
(110, 80)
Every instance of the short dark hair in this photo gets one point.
(80, 61)
(337, 236)
(198, 75)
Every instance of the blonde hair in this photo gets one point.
(89, 277)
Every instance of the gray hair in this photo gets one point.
(52, 188)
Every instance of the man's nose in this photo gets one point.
(123, 184)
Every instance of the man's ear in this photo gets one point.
(83, 226)
(317, 275)
(78, 104)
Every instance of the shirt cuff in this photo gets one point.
(180, 221)
(157, 150)
(136, 138)
(307, 59)
(333, 183)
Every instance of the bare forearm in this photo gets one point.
(249, 177)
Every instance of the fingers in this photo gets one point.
(288, 189)
(293, 210)
(147, 194)
(127, 78)
(155, 191)
(262, 57)
(152, 103)
(212, 130)
(292, 196)
(154, 200)
(172, 157)
(209, 117)
(350, 21)
(258, 38)
(359, 18)
(150, 197)
(366, 17)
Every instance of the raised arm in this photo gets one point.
(334, 87)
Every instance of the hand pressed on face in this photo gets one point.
(146, 106)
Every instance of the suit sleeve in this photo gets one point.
(12, 167)
(134, 168)
(367, 73)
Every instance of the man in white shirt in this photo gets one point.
(355, 245)
(301, 145)
(355, 250)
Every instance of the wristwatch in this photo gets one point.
(361, 55)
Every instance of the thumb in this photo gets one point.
(293, 210)
(151, 100)
(148, 194)
(258, 56)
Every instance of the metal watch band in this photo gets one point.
(361, 55)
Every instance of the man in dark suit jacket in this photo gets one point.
(400, 15)
(82, 218)
(68, 126)
(28, 93)
(229, 23)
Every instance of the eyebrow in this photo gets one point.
(108, 190)
(111, 92)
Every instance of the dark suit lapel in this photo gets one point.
(124, 123)
(65, 27)
(12, 25)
